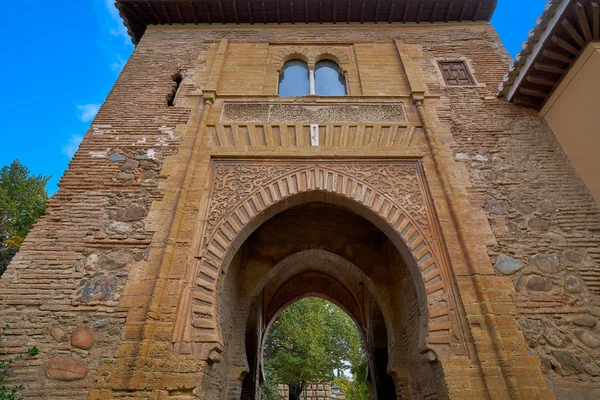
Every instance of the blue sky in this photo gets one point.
(61, 60)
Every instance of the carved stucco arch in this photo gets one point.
(246, 193)
(311, 55)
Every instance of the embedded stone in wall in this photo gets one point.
(59, 335)
(83, 338)
(538, 224)
(133, 212)
(537, 283)
(116, 260)
(97, 288)
(584, 320)
(546, 263)
(573, 285)
(65, 369)
(507, 265)
(244, 112)
(495, 207)
(569, 363)
(587, 338)
(129, 165)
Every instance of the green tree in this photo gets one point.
(22, 201)
(309, 341)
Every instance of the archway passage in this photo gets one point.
(324, 250)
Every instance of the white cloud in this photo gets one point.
(72, 145)
(87, 112)
(118, 65)
(116, 27)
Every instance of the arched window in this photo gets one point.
(294, 80)
(328, 79)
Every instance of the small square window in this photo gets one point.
(456, 73)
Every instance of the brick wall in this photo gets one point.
(94, 259)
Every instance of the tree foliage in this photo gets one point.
(22, 201)
(310, 340)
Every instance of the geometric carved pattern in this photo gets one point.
(243, 189)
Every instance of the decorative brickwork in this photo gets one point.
(179, 232)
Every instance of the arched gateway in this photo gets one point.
(363, 235)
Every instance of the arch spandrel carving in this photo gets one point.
(245, 193)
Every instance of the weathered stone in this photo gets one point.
(462, 157)
(97, 288)
(129, 165)
(142, 157)
(587, 338)
(101, 323)
(496, 207)
(481, 158)
(553, 336)
(537, 283)
(83, 338)
(584, 320)
(523, 207)
(150, 174)
(538, 224)
(59, 335)
(124, 176)
(569, 363)
(91, 262)
(546, 263)
(118, 260)
(573, 256)
(115, 157)
(507, 265)
(119, 228)
(573, 285)
(65, 369)
(547, 206)
(591, 369)
(133, 212)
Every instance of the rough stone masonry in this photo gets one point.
(451, 226)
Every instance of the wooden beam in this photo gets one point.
(533, 92)
(521, 102)
(595, 11)
(377, 8)
(538, 80)
(405, 16)
(249, 5)
(207, 11)
(449, 11)
(573, 33)
(193, 12)
(235, 12)
(435, 10)
(264, 11)
(292, 12)
(565, 45)
(278, 12)
(492, 9)
(138, 9)
(306, 11)
(348, 4)
(463, 12)
(320, 11)
(420, 12)
(164, 8)
(392, 9)
(335, 11)
(362, 11)
(179, 13)
(549, 68)
(222, 12)
(154, 13)
(478, 10)
(554, 55)
(582, 20)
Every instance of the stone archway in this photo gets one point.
(391, 195)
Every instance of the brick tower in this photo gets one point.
(255, 152)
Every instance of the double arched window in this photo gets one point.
(298, 80)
